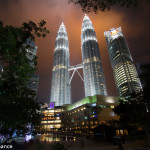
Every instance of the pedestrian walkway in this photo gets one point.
(85, 144)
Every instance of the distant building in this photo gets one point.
(94, 81)
(33, 82)
(125, 74)
(60, 87)
(31, 50)
(31, 54)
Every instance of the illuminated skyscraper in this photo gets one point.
(94, 82)
(60, 87)
(125, 73)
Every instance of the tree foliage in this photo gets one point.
(133, 111)
(145, 79)
(17, 103)
(102, 5)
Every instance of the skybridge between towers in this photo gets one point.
(75, 69)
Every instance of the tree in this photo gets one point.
(145, 79)
(102, 5)
(105, 131)
(133, 111)
(17, 103)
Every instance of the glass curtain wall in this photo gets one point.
(125, 74)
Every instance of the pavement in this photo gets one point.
(86, 144)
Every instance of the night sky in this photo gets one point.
(135, 24)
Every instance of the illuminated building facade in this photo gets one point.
(94, 82)
(81, 116)
(90, 112)
(60, 87)
(51, 119)
(125, 73)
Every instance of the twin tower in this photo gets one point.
(94, 81)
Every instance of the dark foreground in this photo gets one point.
(82, 144)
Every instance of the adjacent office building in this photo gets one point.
(125, 74)
(60, 87)
(94, 81)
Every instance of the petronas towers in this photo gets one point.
(94, 82)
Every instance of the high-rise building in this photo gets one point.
(31, 50)
(60, 87)
(94, 81)
(31, 54)
(125, 74)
